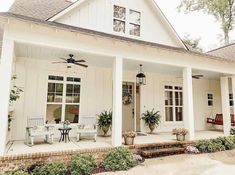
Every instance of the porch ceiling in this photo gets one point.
(41, 52)
(53, 54)
(167, 69)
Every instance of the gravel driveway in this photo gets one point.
(222, 163)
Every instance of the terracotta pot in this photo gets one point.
(152, 127)
(129, 140)
(105, 130)
(180, 137)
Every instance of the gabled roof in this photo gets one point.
(110, 36)
(152, 2)
(52, 9)
(40, 9)
(226, 52)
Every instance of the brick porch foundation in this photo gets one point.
(13, 162)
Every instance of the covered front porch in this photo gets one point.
(18, 147)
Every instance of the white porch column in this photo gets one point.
(5, 81)
(233, 91)
(225, 105)
(188, 102)
(117, 102)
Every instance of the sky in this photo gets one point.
(196, 24)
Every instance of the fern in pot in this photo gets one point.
(152, 119)
(105, 121)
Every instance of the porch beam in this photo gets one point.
(225, 105)
(5, 81)
(117, 101)
(188, 102)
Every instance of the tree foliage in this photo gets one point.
(222, 10)
(192, 43)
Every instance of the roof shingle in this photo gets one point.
(40, 9)
(226, 52)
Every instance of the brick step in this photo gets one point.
(162, 152)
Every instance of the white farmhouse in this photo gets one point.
(113, 37)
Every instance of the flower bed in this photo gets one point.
(116, 160)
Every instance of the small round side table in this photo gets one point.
(64, 134)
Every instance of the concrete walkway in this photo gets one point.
(222, 163)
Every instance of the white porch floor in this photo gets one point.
(18, 147)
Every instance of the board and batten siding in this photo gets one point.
(98, 15)
(96, 93)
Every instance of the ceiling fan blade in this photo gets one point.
(63, 59)
(83, 65)
(79, 61)
(58, 62)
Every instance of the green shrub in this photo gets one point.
(51, 169)
(228, 142)
(18, 172)
(119, 159)
(214, 145)
(82, 165)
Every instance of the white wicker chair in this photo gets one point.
(36, 128)
(87, 126)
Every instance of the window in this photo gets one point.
(63, 99)
(120, 21)
(134, 23)
(231, 103)
(173, 103)
(210, 99)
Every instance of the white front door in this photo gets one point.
(128, 106)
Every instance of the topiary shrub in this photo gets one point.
(82, 165)
(18, 172)
(119, 159)
(51, 169)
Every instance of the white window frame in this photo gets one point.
(173, 90)
(63, 103)
(213, 97)
(231, 99)
(127, 21)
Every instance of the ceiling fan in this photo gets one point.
(198, 77)
(71, 60)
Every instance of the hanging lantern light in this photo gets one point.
(141, 77)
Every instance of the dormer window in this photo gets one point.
(134, 24)
(119, 19)
(126, 24)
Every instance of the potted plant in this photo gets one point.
(180, 133)
(129, 137)
(105, 121)
(152, 119)
(66, 124)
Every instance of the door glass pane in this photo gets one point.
(179, 113)
(169, 113)
(72, 113)
(51, 87)
(55, 91)
(168, 98)
(178, 99)
(73, 93)
(53, 113)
